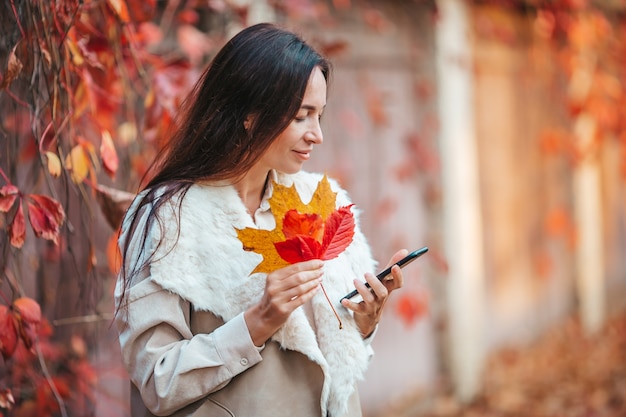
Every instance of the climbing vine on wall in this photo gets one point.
(88, 89)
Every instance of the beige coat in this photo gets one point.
(184, 340)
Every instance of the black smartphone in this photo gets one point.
(401, 263)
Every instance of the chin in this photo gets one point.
(290, 170)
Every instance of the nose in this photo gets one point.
(314, 134)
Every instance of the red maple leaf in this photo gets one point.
(338, 232)
(309, 237)
(295, 223)
(18, 322)
(8, 195)
(27, 315)
(17, 227)
(46, 216)
(8, 332)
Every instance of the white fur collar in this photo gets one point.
(209, 267)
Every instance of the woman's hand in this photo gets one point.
(285, 290)
(367, 313)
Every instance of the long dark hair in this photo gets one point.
(260, 76)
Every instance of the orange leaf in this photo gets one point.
(8, 333)
(114, 256)
(108, 154)
(78, 163)
(295, 223)
(28, 310)
(8, 195)
(46, 216)
(28, 315)
(17, 228)
(54, 164)
(285, 199)
(262, 242)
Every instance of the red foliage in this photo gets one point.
(309, 237)
(412, 306)
(8, 332)
(45, 214)
(18, 322)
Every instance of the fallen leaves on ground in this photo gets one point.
(565, 374)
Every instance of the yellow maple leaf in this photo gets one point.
(282, 200)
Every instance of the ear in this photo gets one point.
(247, 122)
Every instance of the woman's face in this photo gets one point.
(294, 145)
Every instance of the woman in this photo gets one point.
(201, 334)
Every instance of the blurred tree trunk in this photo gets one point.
(461, 197)
(587, 185)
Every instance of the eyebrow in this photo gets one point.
(310, 107)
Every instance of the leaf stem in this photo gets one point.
(331, 306)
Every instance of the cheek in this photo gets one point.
(286, 140)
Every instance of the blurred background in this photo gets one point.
(493, 132)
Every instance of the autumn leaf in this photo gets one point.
(308, 237)
(17, 228)
(303, 231)
(338, 232)
(8, 195)
(113, 254)
(8, 332)
(54, 164)
(296, 223)
(46, 216)
(27, 313)
(298, 249)
(78, 163)
(27, 310)
(108, 154)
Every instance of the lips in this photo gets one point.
(305, 154)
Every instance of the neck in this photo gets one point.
(251, 189)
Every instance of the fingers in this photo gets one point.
(301, 293)
(395, 280)
(288, 288)
(374, 297)
(295, 280)
(397, 256)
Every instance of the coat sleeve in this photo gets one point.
(170, 366)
